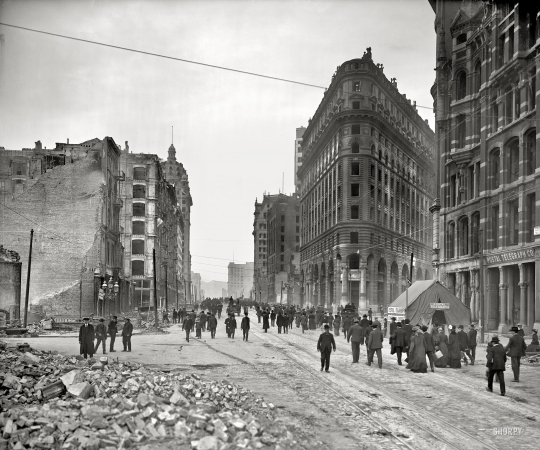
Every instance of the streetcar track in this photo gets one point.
(481, 393)
(483, 444)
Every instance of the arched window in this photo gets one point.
(477, 76)
(373, 149)
(513, 161)
(386, 159)
(530, 151)
(461, 131)
(355, 148)
(380, 155)
(475, 233)
(451, 237)
(461, 85)
(495, 167)
(463, 244)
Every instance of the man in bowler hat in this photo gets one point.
(86, 338)
(324, 345)
(515, 349)
(496, 362)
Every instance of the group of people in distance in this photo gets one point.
(202, 321)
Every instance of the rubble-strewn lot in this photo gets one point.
(52, 401)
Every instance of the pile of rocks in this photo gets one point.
(51, 401)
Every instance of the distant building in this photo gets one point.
(198, 293)
(240, 279)
(176, 174)
(260, 247)
(150, 220)
(283, 257)
(298, 155)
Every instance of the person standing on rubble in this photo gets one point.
(127, 331)
(101, 336)
(113, 329)
(86, 338)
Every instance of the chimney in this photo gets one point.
(68, 140)
(127, 147)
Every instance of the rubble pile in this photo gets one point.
(52, 401)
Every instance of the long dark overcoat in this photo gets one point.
(86, 339)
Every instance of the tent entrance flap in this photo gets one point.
(439, 317)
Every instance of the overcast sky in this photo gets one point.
(234, 133)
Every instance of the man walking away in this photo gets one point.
(355, 335)
(113, 329)
(245, 326)
(515, 349)
(408, 333)
(187, 326)
(370, 314)
(324, 345)
(212, 325)
(496, 362)
(273, 319)
(174, 315)
(471, 344)
(232, 325)
(279, 321)
(127, 331)
(86, 338)
(101, 336)
(286, 323)
(429, 346)
(398, 341)
(463, 343)
(303, 322)
(375, 341)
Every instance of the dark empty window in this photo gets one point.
(137, 267)
(356, 105)
(461, 39)
(355, 190)
(354, 212)
(138, 227)
(139, 209)
(282, 228)
(137, 247)
(355, 129)
(354, 237)
(139, 191)
(355, 168)
(355, 148)
(139, 173)
(356, 86)
(461, 85)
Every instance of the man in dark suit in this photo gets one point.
(101, 336)
(496, 362)
(393, 326)
(515, 349)
(375, 341)
(355, 335)
(324, 345)
(127, 331)
(245, 326)
(399, 341)
(407, 327)
(113, 329)
(429, 346)
(471, 344)
(212, 325)
(463, 340)
(187, 326)
(86, 338)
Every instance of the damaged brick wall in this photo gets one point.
(64, 208)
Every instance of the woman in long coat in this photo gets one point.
(337, 324)
(311, 318)
(441, 343)
(417, 353)
(454, 350)
(266, 323)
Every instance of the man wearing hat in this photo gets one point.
(245, 326)
(212, 324)
(113, 329)
(471, 343)
(463, 343)
(515, 349)
(355, 335)
(374, 344)
(324, 345)
(398, 341)
(127, 331)
(101, 336)
(429, 346)
(496, 362)
(86, 338)
(187, 326)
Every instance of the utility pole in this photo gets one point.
(155, 286)
(28, 279)
(409, 282)
(481, 287)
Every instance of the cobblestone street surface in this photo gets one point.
(353, 406)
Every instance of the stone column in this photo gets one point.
(345, 286)
(523, 284)
(503, 288)
(473, 279)
(362, 304)
(327, 291)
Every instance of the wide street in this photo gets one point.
(353, 406)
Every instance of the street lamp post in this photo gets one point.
(116, 289)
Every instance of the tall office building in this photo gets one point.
(240, 279)
(366, 184)
(298, 155)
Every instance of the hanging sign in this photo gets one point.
(396, 310)
(439, 305)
